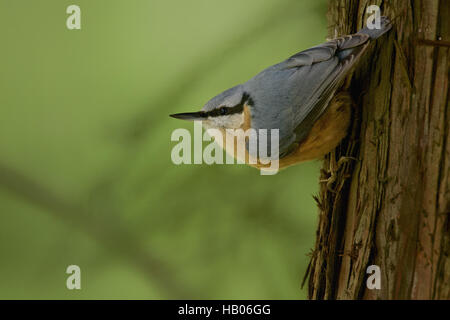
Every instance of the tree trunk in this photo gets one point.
(390, 206)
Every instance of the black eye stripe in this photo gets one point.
(223, 110)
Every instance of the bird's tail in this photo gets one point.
(385, 26)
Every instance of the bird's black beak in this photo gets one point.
(200, 115)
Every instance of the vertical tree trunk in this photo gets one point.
(391, 206)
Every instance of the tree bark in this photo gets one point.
(390, 207)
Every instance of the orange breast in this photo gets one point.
(326, 133)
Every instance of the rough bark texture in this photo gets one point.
(391, 206)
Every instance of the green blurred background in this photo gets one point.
(85, 171)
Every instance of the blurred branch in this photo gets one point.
(107, 233)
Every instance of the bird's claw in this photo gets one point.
(334, 168)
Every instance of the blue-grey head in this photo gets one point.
(224, 111)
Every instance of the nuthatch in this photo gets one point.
(297, 97)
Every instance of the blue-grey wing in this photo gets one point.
(292, 95)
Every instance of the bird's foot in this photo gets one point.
(329, 182)
(333, 169)
(343, 160)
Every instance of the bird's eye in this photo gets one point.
(223, 110)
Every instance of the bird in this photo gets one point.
(301, 97)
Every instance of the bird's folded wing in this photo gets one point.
(331, 63)
(302, 88)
